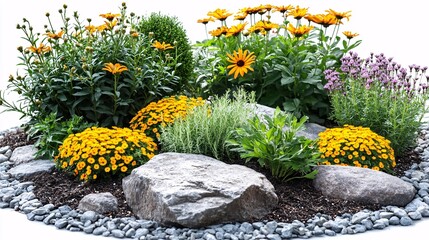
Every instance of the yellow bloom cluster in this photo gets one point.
(163, 112)
(356, 146)
(101, 152)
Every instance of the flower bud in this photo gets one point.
(47, 14)
(11, 78)
(20, 49)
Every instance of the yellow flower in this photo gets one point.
(219, 31)
(55, 36)
(325, 20)
(94, 176)
(205, 20)
(114, 68)
(162, 46)
(41, 49)
(298, 12)
(235, 30)
(220, 14)
(299, 31)
(110, 16)
(124, 169)
(241, 62)
(350, 35)
(107, 169)
(339, 15)
(283, 8)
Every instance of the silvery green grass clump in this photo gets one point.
(379, 93)
(282, 61)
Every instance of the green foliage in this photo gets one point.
(170, 30)
(356, 146)
(51, 132)
(65, 70)
(288, 69)
(98, 152)
(287, 155)
(207, 127)
(377, 93)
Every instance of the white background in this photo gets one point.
(396, 28)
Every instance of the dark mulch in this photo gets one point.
(298, 199)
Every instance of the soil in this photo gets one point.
(298, 199)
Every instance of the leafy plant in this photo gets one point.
(288, 60)
(356, 146)
(380, 94)
(163, 112)
(99, 152)
(169, 29)
(287, 155)
(51, 132)
(103, 73)
(206, 129)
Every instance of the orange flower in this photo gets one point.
(55, 36)
(110, 16)
(339, 15)
(299, 31)
(114, 68)
(298, 12)
(350, 35)
(205, 20)
(162, 46)
(41, 49)
(220, 14)
(241, 62)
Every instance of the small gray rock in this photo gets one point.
(406, 221)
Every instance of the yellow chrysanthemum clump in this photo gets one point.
(163, 112)
(356, 146)
(101, 152)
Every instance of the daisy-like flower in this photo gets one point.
(235, 30)
(219, 31)
(41, 49)
(162, 46)
(299, 31)
(114, 68)
(205, 20)
(55, 36)
(266, 25)
(240, 16)
(241, 62)
(350, 35)
(220, 14)
(110, 16)
(325, 20)
(298, 12)
(91, 29)
(282, 9)
(340, 15)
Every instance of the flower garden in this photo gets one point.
(104, 99)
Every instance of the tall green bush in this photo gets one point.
(169, 29)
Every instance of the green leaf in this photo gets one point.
(81, 93)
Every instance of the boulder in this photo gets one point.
(311, 130)
(99, 202)
(191, 190)
(23, 154)
(30, 168)
(363, 185)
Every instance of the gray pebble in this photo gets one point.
(100, 230)
(61, 223)
(117, 233)
(406, 221)
(330, 233)
(130, 233)
(394, 220)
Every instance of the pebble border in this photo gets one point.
(19, 196)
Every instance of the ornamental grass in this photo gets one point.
(99, 152)
(356, 146)
(163, 112)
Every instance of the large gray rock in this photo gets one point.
(23, 154)
(193, 191)
(363, 185)
(311, 130)
(99, 203)
(30, 168)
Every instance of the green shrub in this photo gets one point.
(285, 154)
(165, 111)
(169, 29)
(356, 146)
(51, 132)
(98, 152)
(205, 130)
(289, 57)
(380, 94)
(104, 73)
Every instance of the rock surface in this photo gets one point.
(23, 154)
(363, 185)
(32, 167)
(193, 190)
(99, 203)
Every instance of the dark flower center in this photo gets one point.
(240, 63)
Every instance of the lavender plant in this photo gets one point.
(379, 93)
